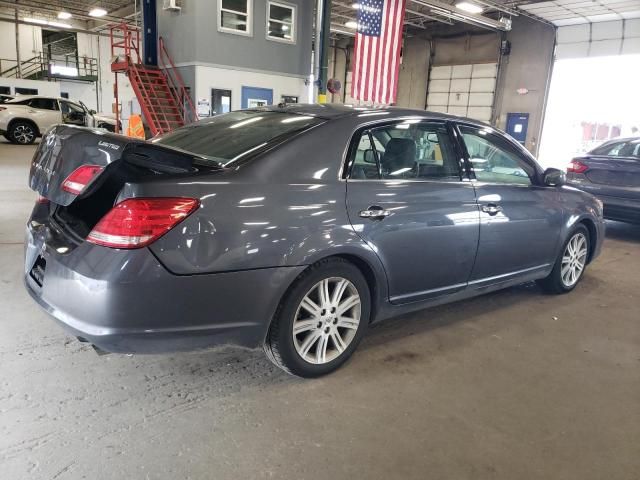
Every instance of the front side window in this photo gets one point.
(281, 22)
(237, 136)
(235, 16)
(492, 158)
(628, 148)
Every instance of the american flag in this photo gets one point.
(377, 50)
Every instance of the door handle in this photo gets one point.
(375, 212)
(491, 208)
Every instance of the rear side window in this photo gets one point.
(628, 148)
(234, 136)
(44, 103)
(407, 149)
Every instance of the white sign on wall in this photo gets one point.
(204, 107)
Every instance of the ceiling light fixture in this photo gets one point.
(97, 12)
(351, 24)
(469, 7)
(39, 21)
(59, 24)
(64, 15)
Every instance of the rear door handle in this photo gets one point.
(375, 212)
(491, 208)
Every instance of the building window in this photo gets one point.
(235, 16)
(281, 22)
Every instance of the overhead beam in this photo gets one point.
(451, 12)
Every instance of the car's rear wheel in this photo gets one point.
(571, 263)
(23, 133)
(321, 320)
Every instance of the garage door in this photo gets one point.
(619, 37)
(464, 90)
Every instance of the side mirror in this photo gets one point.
(554, 177)
(369, 156)
(92, 112)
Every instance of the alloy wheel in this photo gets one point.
(24, 134)
(574, 259)
(326, 320)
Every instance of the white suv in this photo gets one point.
(27, 117)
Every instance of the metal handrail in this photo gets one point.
(129, 41)
(177, 85)
(42, 64)
(15, 69)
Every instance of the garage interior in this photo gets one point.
(513, 384)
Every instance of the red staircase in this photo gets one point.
(164, 100)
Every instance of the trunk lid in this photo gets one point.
(63, 149)
(126, 162)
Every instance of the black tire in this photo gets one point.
(554, 283)
(280, 342)
(6, 135)
(22, 132)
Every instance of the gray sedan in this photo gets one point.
(292, 228)
(611, 172)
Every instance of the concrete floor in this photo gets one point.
(513, 385)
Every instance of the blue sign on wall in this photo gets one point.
(256, 97)
(517, 124)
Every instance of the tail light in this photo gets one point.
(137, 222)
(80, 178)
(577, 166)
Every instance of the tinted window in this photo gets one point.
(493, 159)
(44, 103)
(233, 136)
(627, 148)
(26, 91)
(365, 164)
(415, 150)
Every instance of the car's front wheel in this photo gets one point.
(321, 320)
(23, 133)
(571, 263)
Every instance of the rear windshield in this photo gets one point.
(233, 136)
(626, 148)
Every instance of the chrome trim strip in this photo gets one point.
(456, 286)
(510, 274)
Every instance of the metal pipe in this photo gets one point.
(325, 27)
(18, 43)
(316, 45)
(447, 10)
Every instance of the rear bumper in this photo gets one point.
(127, 302)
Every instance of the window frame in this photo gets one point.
(249, 14)
(294, 21)
(53, 101)
(523, 157)
(352, 146)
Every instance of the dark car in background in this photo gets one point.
(292, 228)
(611, 172)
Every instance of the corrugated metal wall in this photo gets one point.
(620, 37)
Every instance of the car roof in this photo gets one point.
(330, 111)
(19, 98)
